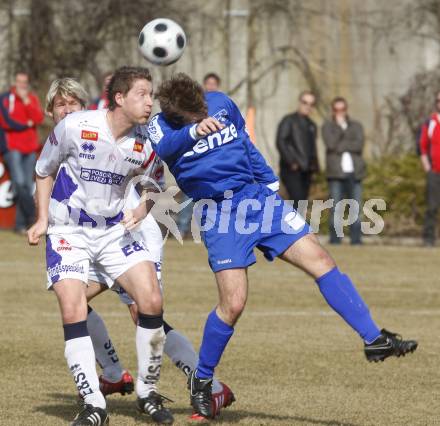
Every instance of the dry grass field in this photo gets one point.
(290, 362)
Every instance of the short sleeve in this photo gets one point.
(54, 151)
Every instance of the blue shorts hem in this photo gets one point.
(270, 256)
(226, 266)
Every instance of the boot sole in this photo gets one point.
(381, 358)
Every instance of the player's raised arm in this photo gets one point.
(170, 143)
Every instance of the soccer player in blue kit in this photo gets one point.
(203, 139)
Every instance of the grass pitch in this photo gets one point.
(291, 361)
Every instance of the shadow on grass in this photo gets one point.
(66, 409)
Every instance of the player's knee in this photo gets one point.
(324, 259)
(234, 309)
(151, 304)
(73, 312)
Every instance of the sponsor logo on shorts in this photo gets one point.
(63, 245)
(224, 261)
(60, 269)
(89, 135)
(101, 176)
(131, 248)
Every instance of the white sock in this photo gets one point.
(104, 350)
(182, 354)
(149, 347)
(81, 362)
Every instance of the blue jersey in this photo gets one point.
(205, 167)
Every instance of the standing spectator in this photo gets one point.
(20, 106)
(101, 102)
(430, 157)
(345, 167)
(296, 143)
(211, 82)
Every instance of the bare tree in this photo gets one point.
(61, 37)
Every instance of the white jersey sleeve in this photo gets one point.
(54, 151)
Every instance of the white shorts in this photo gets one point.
(96, 274)
(114, 250)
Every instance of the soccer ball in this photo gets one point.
(162, 41)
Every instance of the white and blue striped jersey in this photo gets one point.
(93, 171)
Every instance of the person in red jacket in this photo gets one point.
(430, 157)
(20, 105)
(101, 102)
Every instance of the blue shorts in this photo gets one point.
(253, 217)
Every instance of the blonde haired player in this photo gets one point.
(65, 96)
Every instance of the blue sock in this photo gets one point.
(215, 338)
(341, 295)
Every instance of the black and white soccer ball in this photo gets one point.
(162, 41)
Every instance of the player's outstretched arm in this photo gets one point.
(170, 143)
(39, 228)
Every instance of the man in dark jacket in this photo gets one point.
(296, 143)
(345, 167)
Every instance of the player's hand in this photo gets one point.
(37, 230)
(132, 218)
(208, 125)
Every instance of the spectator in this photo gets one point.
(430, 157)
(21, 113)
(211, 82)
(101, 102)
(296, 143)
(345, 167)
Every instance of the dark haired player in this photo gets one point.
(203, 140)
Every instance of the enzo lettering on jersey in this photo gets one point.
(101, 176)
(224, 136)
